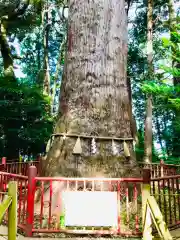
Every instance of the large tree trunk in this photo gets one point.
(94, 98)
(148, 120)
(159, 132)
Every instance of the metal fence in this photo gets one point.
(40, 200)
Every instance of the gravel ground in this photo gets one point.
(3, 231)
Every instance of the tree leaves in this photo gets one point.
(24, 115)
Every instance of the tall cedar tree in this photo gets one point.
(94, 99)
(148, 121)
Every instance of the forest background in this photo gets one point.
(33, 44)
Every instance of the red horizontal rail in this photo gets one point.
(19, 167)
(23, 163)
(165, 178)
(160, 164)
(137, 180)
(14, 175)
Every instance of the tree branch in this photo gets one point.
(6, 52)
(129, 2)
(16, 57)
(19, 11)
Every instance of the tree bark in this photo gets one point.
(148, 120)
(159, 132)
(58, 68)
(46, 69)
(6, 51)
(173, 28)
(132, 118)
(94, 98)
(168, 141)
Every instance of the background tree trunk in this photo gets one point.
(94, 98)
(58, 69)
(6, 52)
(46, 68)
(148, 120)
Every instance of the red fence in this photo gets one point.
(161, 169)
(157, 169)
(48, 209)
(40, 200)
(167, 193)
(20, 168)
(22, 181)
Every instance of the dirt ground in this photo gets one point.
(3, 231)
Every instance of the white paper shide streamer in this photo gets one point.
(93, 146)
(114, 148)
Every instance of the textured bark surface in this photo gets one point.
(148, 121)
(58, 70)
(46, 74)
(94, 96)
(6, 52)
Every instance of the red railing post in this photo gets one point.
(4, 161)
(32, 173)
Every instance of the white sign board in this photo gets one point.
(95, 209)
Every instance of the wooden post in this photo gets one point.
(32, 173)
(20, 164)
(146, 216)
(161, 168)
(4, 160)
(12, 212)
(158, 220)
(146, 188)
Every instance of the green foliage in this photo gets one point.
(20, 14)
(24, 118)
(161, 86)
(25, 113)
(167, 95)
